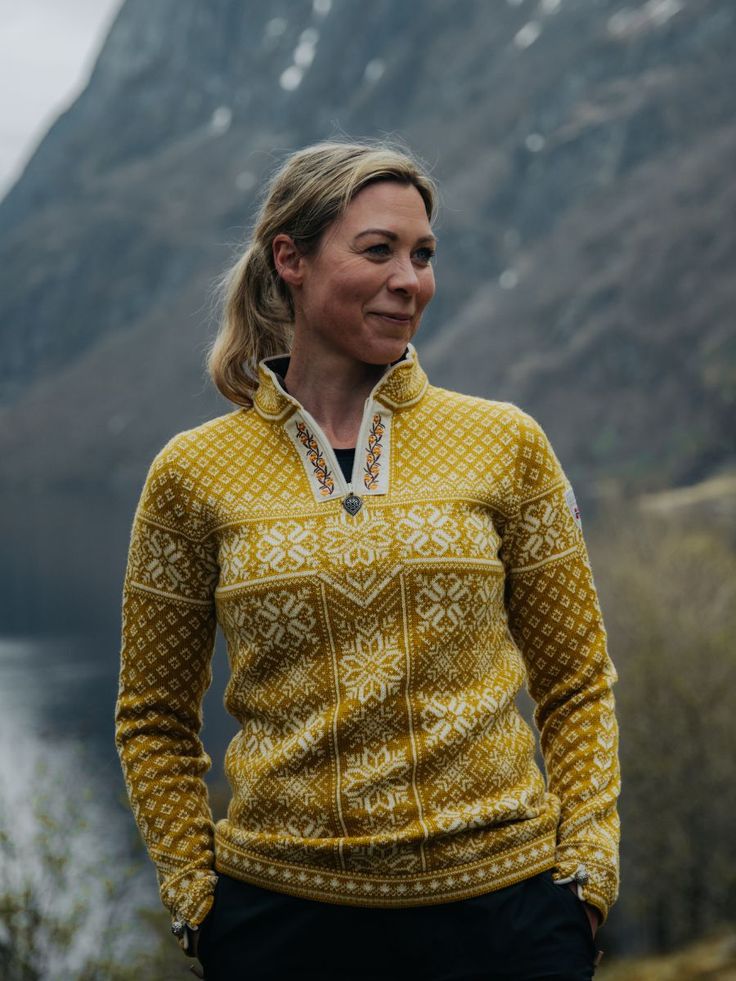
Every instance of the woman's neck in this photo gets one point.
(333, 389)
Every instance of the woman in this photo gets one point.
(389, 562)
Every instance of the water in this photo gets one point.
(58, 687)
(62, 797)
(64, 832)
(57, 697)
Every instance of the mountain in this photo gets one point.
(585, 152)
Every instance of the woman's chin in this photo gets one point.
(384, 348)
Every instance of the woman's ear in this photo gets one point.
(287, 259)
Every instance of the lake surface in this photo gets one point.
(60, 692)
(58, 764)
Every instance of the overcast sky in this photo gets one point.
(47, 50)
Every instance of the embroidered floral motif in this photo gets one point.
(373, 452)
(323, 475)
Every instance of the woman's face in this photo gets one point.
(363, 292)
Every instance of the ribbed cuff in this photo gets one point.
(188, 894)
(597, 883)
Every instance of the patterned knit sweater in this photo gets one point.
(378, 633)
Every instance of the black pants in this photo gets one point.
(532, 930)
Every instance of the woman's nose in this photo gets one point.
(404, 277)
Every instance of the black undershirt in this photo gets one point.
(345, 458)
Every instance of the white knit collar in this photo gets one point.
(403, 384)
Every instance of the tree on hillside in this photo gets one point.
(668, 591)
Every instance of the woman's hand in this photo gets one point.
(591, 911)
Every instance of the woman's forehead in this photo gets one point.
(386, 205)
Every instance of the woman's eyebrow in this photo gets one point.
(392, 235)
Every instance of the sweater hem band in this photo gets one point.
(439, 886)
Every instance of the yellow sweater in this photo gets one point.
(378, 633)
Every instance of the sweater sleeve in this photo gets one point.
(168, 635)
(555, 620)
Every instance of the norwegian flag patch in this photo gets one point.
(573, 505)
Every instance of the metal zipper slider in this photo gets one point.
(352, 503)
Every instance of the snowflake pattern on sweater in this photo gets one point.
(375, 656)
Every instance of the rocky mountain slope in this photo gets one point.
(585, 270)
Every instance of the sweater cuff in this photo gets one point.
(188, 894)
(597, 882)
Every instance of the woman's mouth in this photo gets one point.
(393, 318)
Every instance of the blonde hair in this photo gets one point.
(310, 190)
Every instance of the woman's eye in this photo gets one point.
(424, 255)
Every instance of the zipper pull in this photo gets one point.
(351, 502)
